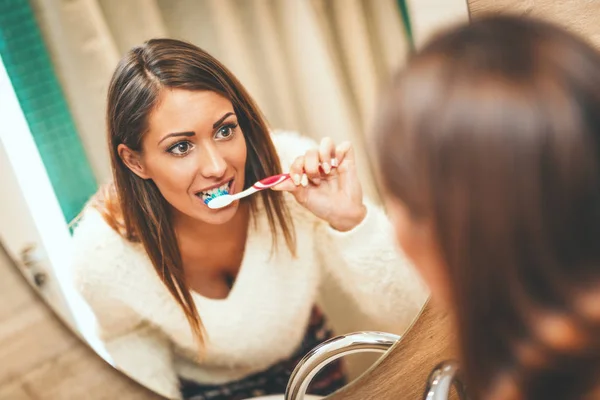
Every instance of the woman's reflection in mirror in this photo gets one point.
(221, 304)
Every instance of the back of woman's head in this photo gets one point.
(491, 136)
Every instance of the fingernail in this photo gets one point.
(296, 179)
(334, 162)
(304, 180)
(326, 168)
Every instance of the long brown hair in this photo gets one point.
(491, 133)
(134, 207)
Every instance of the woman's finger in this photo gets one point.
(343, 152)
(311, 166)
(286, 186)
(326, 154)
(297, 170)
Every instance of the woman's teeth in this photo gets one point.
(215, 192)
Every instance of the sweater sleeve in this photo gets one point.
(364, 261)
(368, 266)
(137, 349)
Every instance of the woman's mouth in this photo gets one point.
(210, 194)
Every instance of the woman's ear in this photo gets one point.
(132, 160)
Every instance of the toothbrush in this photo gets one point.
(226, 199)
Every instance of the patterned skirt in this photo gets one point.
(275, 379)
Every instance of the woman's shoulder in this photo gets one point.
(93, 235)
(101, 257)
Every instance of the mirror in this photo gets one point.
(313, 67)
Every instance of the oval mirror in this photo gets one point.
(113, 229)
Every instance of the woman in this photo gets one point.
(489, 144)
(154, 261)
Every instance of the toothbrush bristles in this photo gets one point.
(218, 193)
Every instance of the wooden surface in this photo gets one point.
(402, 373)
(40, 359)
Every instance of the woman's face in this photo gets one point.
(193, 147)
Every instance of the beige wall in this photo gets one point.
(429, 16)
(580, 16)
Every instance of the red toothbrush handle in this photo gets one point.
(275, 180)
(270, 181)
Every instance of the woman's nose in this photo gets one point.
(213, 165)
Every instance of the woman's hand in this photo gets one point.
(332, 194)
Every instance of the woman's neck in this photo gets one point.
(212, 254)
(203, 232)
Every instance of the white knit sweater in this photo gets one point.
(264, 318)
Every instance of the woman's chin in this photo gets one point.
(218, 216)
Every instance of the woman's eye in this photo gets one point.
(226, 131)
(181, 148)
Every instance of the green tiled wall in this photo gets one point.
(30, 70)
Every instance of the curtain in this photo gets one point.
(314, 66)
